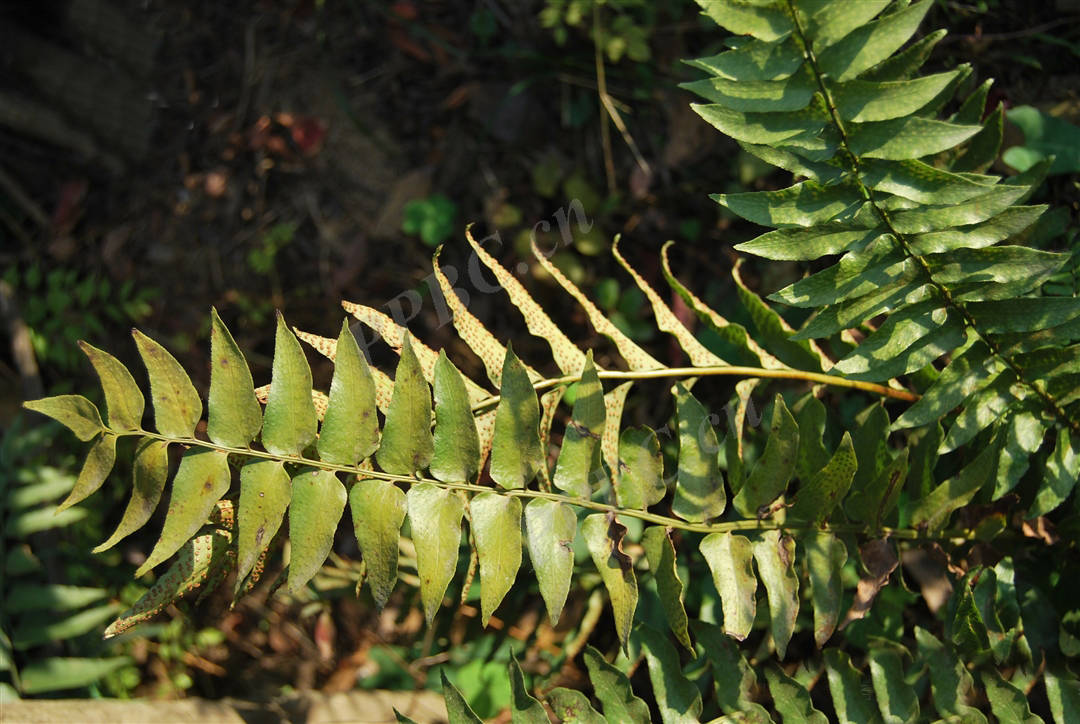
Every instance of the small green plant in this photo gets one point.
(432, 219)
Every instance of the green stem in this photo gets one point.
(720, 371)
(655, 518)
(945, 293)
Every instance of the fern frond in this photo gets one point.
(918, 233)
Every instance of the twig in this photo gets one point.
(601, 89)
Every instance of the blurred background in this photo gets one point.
(157, 158)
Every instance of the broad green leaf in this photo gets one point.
(402, 719)
(857, 274)
(775, 558)
(834, 20)
(950, 682)
(773, 471)
(234, 415)
(496, 526)
(974, 106)
(933, 510)
(96, 468)
(458, 710)
(612, 688)
(516, 455)
(177, 406)
(982, 150)
(810, 417)
(804, 204)
(824, 556)
(660, 552)
(124, 401)
(836, 318)
(1044, 136)
(733, 676)
(965, 627)
(730, 558)
(38, 632)
(378, 510)
(265, 492)
(74, 412)
(435, 515)
(1007, 703)
(964, 374)
(640, 482)
(897, 702)
(775, 332)
(150, 471)
(972, 211)
(573, 707)
(754, 61)
(1030, 314)
(908, 61)
(457, 445)
(289, 421)
(871, 443)
(851, 698)
(924, 456)
(58, 674)
(907, 138)
(829, 171)
(1024, 434)
(315, 508)
(677, 698)
(792, 699)
(1016, 269)
(807, 244)
(1008, 223)
(873, 502)
(765, 22)
(407, 445)
(604, 535)
(736, 420)
(861, 101)
(907, 341)
(800, 128)
(818, 496)
(921, 182)
(871, 43)
(550, 528)
(1062, 471)
(699, 492)
(578, 469)
(350, 428)
(1063, 691)
(982, 409)
(524, 709)
(761, 96)
(200, 482)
